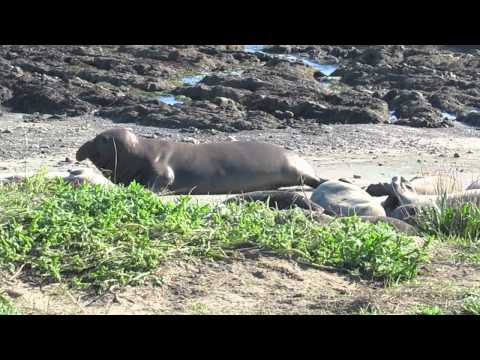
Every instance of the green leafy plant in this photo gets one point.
(94, 237)
(471, 304)
(7, 308)
(429, 310)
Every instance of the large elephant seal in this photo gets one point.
(346, 199)
(217, 168)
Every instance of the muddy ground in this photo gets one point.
(263, 284)
(384, 111)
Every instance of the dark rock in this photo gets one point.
(472, 119)
(47, 100)
(272, 92)
(5, 94)
(372, 56)
(249, 83)
(344, 115)
(205, 92)
(413, 109)
(105, 63)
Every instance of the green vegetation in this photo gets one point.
(93, 237)
(462, 221)
(6, 307)
(429, 310)
(368, 310)
(471, 304)
(459, 225)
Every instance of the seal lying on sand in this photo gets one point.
(407, 195)
(80, 176)
(344, 199)
(218, 168)
(423, 185)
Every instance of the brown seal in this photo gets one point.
(216, 168)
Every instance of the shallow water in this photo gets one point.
(169, 100)
(326, 69)
(193, 79)
(235, 72)
(254, 48)
(393, 116)
(449, 116)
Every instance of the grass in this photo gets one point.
(368, 310)
(6, 307)
(93, 237)
(457, 224)
(461, 221)
(429, 310)
(471, 304)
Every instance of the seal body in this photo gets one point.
(407, 195)
(281, 200)
(345, 199)
(81, 176)
(216, 168)
(475, 185)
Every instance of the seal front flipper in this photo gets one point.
(158, 177)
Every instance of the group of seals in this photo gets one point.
(255, 170)
(249, 168)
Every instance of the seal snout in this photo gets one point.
(85, 151)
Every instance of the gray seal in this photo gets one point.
(181, 168)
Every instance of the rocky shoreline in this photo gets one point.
(233, 88)
(345, 108)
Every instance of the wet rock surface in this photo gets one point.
(232, 88)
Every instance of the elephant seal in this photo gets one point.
(81, 176)
(474, 185)
(407, 195)
(423, 185)
(344, 199)
(326, 220)
(398, 224)
(281, 200)
(217, 168)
